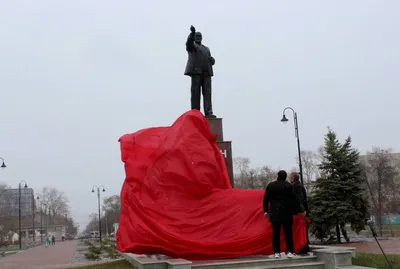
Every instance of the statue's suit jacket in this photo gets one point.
(199, 58)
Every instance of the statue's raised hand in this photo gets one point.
(192, 29)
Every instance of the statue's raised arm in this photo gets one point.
(190, 40)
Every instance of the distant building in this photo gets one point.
(9, 202)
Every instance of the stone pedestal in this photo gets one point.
(224, 146)
(216, 128)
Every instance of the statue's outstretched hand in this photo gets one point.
(192, 29)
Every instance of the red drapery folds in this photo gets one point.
(177, 199)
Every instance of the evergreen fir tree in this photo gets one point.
(338, 196)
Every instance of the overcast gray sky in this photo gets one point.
(76, 75)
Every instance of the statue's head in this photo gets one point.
(198, 37)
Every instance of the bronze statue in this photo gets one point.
(200, 68)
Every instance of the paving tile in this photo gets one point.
(40, 257)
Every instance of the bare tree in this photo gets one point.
(112, 210)
(252, 180)
(247, 177)
(241, 165)
(54, 202)
(4, 208)
(310, 162)
(242, 171)
(382, 170)
(266, 175)
(93, 223)
(320, 154)
(4, 205)
(112, 204)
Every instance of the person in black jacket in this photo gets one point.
(280, 204)
(301, 194)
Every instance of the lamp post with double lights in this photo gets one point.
(296, 133)
(98, 203)
(19, 211)
(3, 165)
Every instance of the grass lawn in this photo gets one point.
(387, 230)
(376, 260)
(122, 264)
(9, 248)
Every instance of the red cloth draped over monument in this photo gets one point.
(177, 199)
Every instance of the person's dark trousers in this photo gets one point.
(201, 84)
(276, 236)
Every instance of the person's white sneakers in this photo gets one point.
(291, 255)
(277, 255)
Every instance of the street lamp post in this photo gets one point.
(41, 221)
(98, 203)
(3, 165)
(47, 220)
(33, 221)
(19, 212)
(296, 133)
(66, 226)
(106, 220)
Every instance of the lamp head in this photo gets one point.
(284, 119)
(104, 190)
(92, 190)
(3, 165)
(26, 186)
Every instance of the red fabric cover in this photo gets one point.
(177, 199)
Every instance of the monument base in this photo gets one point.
(322, 257)
(226, 149)
(224, 146)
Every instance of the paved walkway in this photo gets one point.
(390, 246)
(40, 257)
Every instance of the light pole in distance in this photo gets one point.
(98, 203)
(19, 211)
(41, 221)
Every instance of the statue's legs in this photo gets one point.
(195, 91)
(206, 90)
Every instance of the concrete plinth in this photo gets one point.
(216, 128)
(322, 257)
(224, 146)
(226, 149)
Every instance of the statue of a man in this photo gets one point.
(200, 68)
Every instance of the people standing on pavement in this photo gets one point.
(53, 240)
(280, 204)
(301, 194)
(47, 241)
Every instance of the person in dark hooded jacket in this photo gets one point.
(301, 194)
